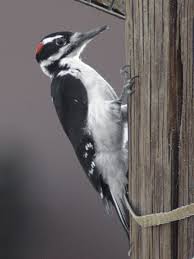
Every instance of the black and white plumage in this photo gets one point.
(91, 114)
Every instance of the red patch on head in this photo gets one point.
(39, 48)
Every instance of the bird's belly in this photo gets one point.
(105, 125)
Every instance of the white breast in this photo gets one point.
(105, 125)
(95, 84)
(103, 115)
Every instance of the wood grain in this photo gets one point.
(159, 35)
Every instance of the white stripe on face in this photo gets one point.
(50, 39)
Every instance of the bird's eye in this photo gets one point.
(60, 41)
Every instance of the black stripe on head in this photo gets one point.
(51, 48)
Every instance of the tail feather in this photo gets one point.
(122, 212)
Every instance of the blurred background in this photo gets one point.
(48, 209)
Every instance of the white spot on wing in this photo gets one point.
(92, 164)
(88, 146)
(91, 171)
(92, 167)
(85, 155)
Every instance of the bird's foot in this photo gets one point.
(129, 86)
(129, 83)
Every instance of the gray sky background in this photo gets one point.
(50, 210)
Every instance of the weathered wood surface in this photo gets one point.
(186, 154)
(118, 4)
(159, 38)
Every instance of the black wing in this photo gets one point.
(71, 104)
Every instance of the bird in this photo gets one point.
(92, 115)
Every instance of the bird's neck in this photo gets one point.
(51, 69)
(68, 61)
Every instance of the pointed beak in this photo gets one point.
(81, 38)
(93, 33)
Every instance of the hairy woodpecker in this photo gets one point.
(92, 115)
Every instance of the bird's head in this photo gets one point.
(57, 46)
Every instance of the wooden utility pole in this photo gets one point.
(160, 49)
